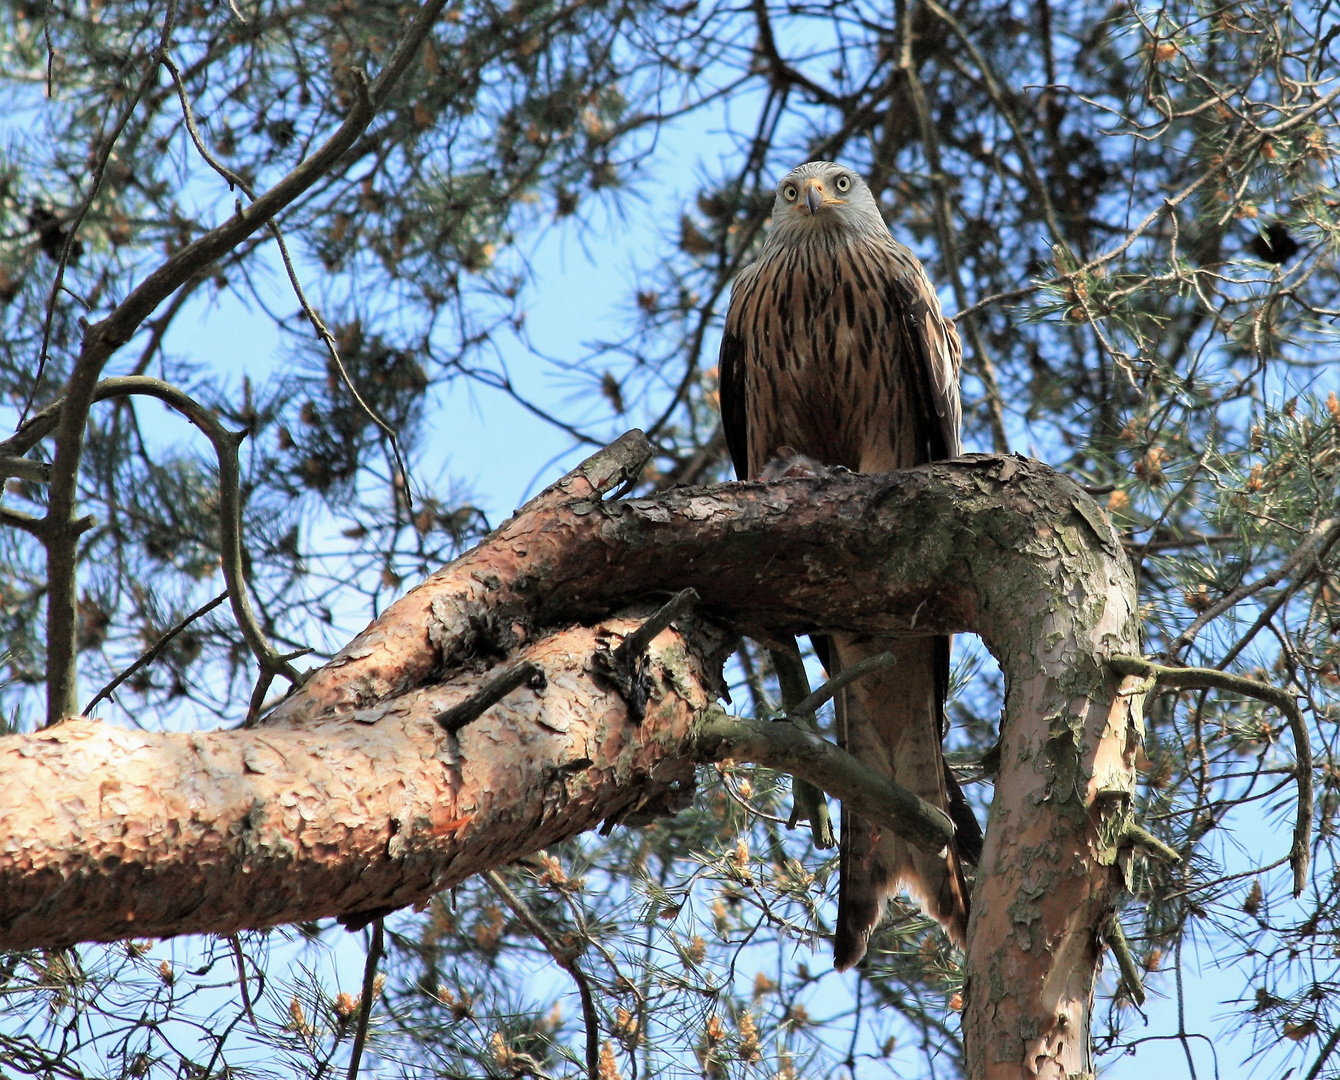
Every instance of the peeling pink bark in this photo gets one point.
(110, 833)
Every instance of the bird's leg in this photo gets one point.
(808, 800)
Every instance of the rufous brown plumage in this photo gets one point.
(835, 348)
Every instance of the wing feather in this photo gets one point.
(733, 380)
(936, 353)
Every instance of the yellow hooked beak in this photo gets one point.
(813, 196)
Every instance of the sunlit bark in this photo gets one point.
(351, 799)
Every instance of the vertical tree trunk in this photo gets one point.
(1046, 882)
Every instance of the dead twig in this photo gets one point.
(242, 990)
(225, 443)
(808, 801)
(1174, 678)
(625, 666)
(840, 681)
(1144, 838)
(1317, 544)
(365, 1003)
(785, 746)
(318, 325)
(488, 695)
(635, 644)
(37, 472)
(152, 654)
(564, 958)
(1115, 937)
(944, 223)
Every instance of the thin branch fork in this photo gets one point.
(225, 444)
(232, 564)
(565, 959)
(1177, 678)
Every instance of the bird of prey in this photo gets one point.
(835, 348)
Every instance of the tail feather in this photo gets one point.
(862, 892)
(892, 721)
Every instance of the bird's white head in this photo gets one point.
(821, 195)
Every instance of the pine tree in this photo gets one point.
(1133, 215)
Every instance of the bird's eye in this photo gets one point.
(789, 192)
(843, 183)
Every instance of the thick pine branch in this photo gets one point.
(351, 798)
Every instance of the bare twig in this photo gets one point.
(242, 990)
(1121, 949)
(327, 339)
(1317, 544)
(842, 679)
(807, 800)
(732, 261)
(488, 695)
(37, 472)
(1151, 843)
(264, 679)
(785, 746)
(635, 644)
(780, 72)
(19, 520)
(365, 1003)
(623, 665)
(99, 170)
(995, 298)
(231, 561)
(564, 958)
(1021, 146)
(944, 224)
(1212, 679)
(152, 654)
(234, 180)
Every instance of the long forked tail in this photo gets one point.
(893, 721)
